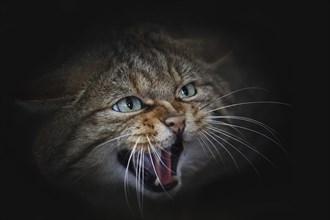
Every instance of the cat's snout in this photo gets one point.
(176, 123)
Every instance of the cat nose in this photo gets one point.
(176, 123)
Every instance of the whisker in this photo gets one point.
(108, 141)
(77, 178)
(85, 172)
(203, 147)
(231, 93)
(220, 131)
(256, 122)
(214, 147)
(137, 168)
(248, 103)
(159, 157)
(136, 173)
(240, 152)
(228, 133)
(211, 121)
(109, 150)
(208, 133)
(206, 145)
(142, 188)
(126, 171)
(154, 168)
(246, 128)
(140, 184)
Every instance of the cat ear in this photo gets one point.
(213, 50)
(45, 105)
(47, 94)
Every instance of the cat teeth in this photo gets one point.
(157, 182)
(174, 179)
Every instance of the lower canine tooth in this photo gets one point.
(156, 183)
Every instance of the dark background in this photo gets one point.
(290, 38)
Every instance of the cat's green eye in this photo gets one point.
(128, 104)
(187, 91)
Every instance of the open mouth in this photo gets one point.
(159, 169)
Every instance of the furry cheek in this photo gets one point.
(150, 132)
(194, 123)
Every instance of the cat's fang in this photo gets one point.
(157, 183)
(174, 179)
(159, 168)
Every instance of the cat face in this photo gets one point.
(148, 127)
(137, 120)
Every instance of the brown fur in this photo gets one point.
(81, 94)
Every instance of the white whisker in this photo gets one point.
(272, 132)
(246, 128)
(208, 133)
(228, 133)
(159, 157)
(108, 141)
(240, 152)
(231, 93)
(248, 145)
(206, 145)
(136, 174)
(126, 171)
(248, 103)
(139, 181)
(214, 147)
(211, 121)
(201, 144)
(142, 188)
(154, 168)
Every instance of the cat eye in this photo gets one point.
(187, 91)
(128, 104)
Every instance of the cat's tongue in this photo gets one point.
(163, 167)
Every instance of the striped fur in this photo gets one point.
(77, 145)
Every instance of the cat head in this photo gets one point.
(130, 111)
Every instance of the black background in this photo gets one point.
(290, 37)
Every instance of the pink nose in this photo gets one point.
(176, 123)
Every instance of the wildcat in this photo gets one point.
(140, 116)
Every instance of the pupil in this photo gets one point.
(129, 103)
(185, 90)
